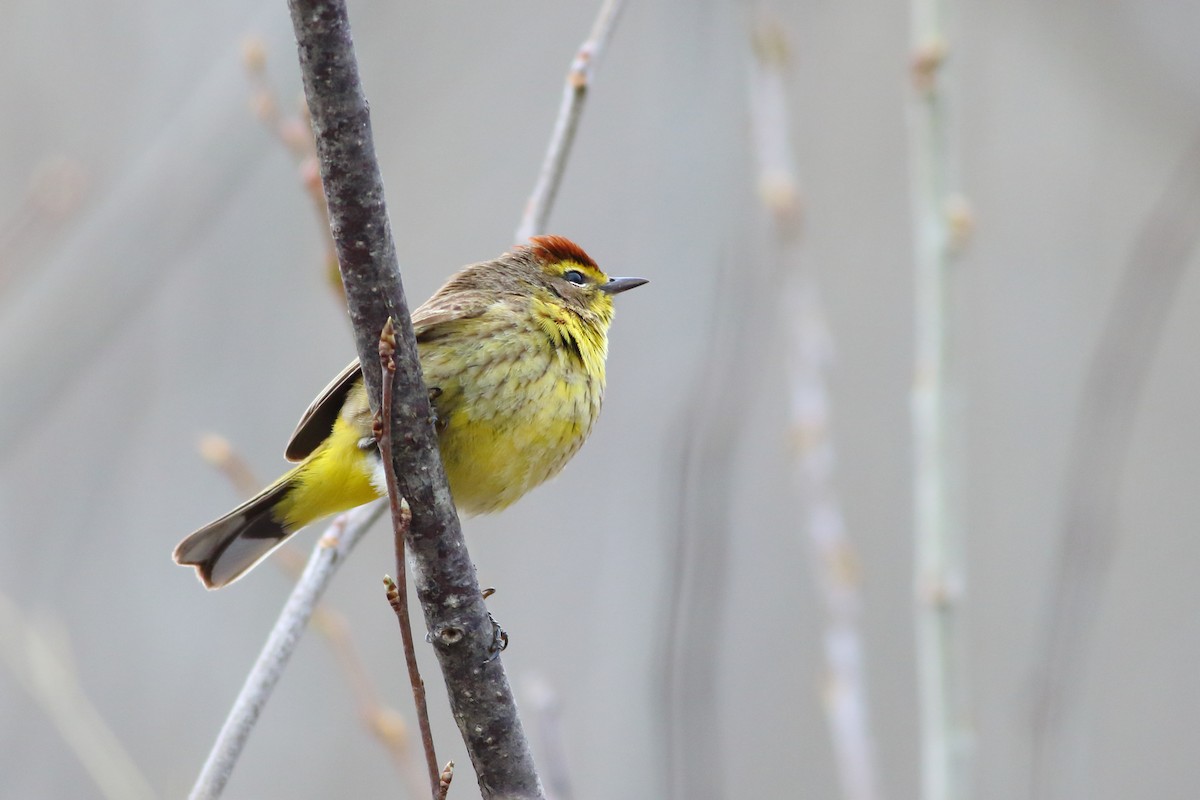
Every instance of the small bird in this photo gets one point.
(512, 351)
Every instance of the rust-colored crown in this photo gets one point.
(560, 248)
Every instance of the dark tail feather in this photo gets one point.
(224, 550)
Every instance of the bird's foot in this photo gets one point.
(499, 636)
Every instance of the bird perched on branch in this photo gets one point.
(512, 352)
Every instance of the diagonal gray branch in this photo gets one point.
(334, 546)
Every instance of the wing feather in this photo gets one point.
(428, 320)
(316, 423)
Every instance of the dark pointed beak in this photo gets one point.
(618, 285)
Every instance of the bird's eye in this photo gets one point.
(575, 277)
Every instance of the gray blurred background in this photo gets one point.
(161, 278)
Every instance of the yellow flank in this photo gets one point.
(334, 478)
(513, 354)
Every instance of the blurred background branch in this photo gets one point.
(834, 561)
(294, 132)
(57, 188)
(939, 229)
(570, 111)
(1108, 408)
(697, 579)
(163, 203)
(47, 674)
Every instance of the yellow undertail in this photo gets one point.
(336, 477)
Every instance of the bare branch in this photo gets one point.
(337, 542)
(460, 630)
(579, 80)
(833, 558)
(940, 224)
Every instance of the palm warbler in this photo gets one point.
(512, 351)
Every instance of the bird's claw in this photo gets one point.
(499, 636)
(435, 392)
(499, 640)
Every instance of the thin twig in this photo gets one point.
(460, 629)
(939, 577)
(53, 683)
(444, 780)
(1108, 405)
(333, 547)
(395, 594)
(579, 80)
(397, 591)
(833, 558)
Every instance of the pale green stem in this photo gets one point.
(939, 225)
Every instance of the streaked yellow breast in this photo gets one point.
(519, 394)
(517, 403)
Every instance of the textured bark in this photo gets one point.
(461, 631)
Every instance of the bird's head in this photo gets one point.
(566, 276)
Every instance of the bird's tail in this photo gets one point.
(225, 549)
